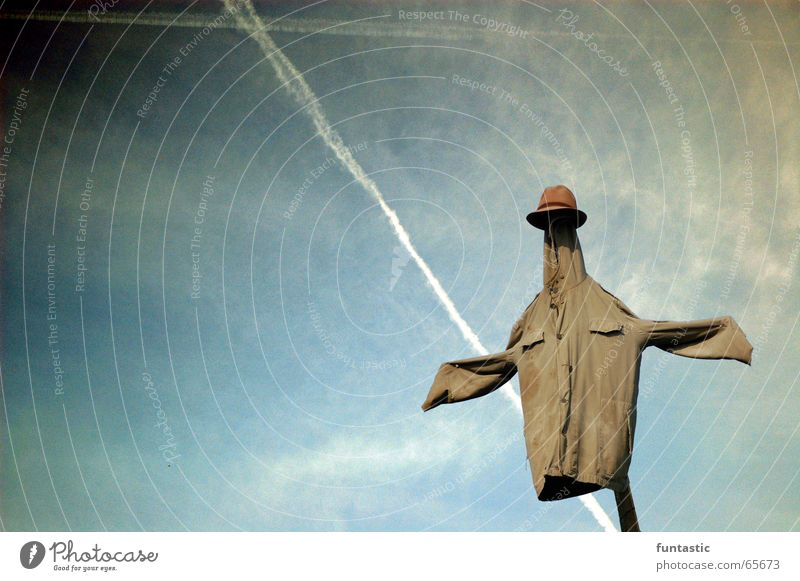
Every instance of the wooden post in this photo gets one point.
(628, 522)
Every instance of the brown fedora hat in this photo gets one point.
(556, 201)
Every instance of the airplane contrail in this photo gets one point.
(439, 30)
(297, 86)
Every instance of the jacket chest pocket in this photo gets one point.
(609, 327)
(531, 339)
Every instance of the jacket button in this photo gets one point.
(559, 336)
(564, 399)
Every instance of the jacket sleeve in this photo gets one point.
(474, 377)
(717, 338)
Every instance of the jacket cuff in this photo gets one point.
(439, 393)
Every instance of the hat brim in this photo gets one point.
(541, 218)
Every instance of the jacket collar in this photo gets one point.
(564, 268)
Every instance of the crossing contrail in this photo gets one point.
(387, 28)
(297, 86)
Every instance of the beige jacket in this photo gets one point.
(578, 349)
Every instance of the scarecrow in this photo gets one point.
(578, 349)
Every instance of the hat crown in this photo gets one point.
(556, 202)
(555, 197)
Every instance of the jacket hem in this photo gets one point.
(556, 485)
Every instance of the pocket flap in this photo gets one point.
(606, 325)
(531, 337)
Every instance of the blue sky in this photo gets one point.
(290, 384)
